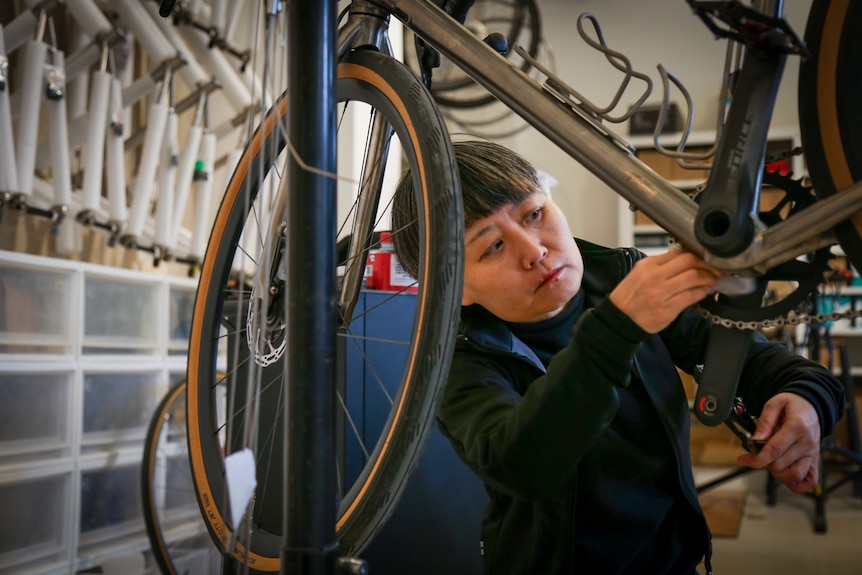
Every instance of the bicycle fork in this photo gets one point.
(370, 187)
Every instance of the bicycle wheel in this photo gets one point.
(521, 23)
(394, 352)
(830, 89)
(178, 537)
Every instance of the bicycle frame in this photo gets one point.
(724, 228)
(611, 159)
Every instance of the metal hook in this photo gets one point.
(166, 86)
(41, 25)
(618, 61)
(679, 153)
(200, 114)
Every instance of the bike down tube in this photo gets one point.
(626, 175)
(633, 180)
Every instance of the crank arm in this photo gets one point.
(726, 352)
(716, 391)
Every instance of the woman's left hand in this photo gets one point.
(791, 428)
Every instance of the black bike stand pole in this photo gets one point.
(310, 545)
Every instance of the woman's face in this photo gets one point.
(521, 262)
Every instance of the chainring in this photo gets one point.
(799, 279)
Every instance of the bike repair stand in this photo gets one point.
(309, 543)
(310, 546)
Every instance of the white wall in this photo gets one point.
(648, 32)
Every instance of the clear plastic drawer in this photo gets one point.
(35, 307)
(111, 505)
(182, 301)
(35, 518)
(118, 406)
(120, 316)
(42, 428)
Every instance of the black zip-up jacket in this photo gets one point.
(525, 429)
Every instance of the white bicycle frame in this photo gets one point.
(99, 127)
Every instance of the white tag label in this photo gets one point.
(397, 275)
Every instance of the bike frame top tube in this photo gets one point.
(670, 208)
(633, 180)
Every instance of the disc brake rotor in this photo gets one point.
(266, 327)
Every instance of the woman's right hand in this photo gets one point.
(660, 287)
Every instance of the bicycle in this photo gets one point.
(726, 230)
(177, 534)
(239, 314)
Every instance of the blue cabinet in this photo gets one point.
(436, 527)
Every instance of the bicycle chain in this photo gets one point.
(780, 321)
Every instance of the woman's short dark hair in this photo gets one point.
(492, 176)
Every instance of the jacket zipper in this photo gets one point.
(708, 555)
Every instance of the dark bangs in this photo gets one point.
(492, 176)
